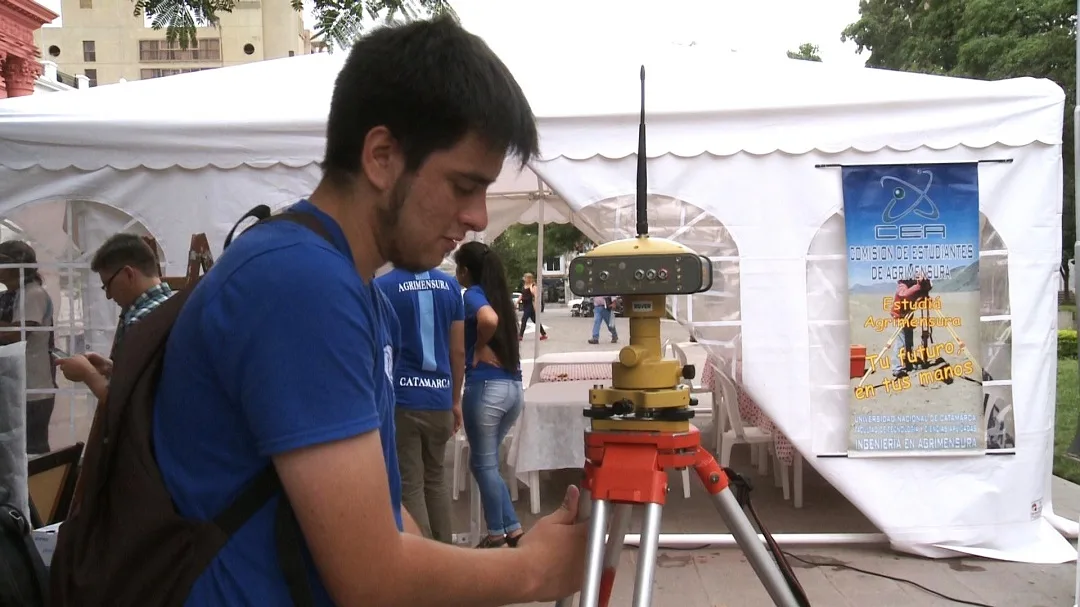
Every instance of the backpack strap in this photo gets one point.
(14, 524)
(263, 215)
(288, 541)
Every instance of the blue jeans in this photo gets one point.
(490, 409)
(602, 316)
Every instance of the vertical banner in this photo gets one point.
(913, 309)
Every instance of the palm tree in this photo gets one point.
(338, 22)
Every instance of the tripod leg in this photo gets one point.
(715, 481)
(594, 557)
(650, 543)
(620, 525)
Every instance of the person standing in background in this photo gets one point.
(602, 314)
(130, 276)
(27, 303)
(493, 394)
(428, 378)
(529, 296)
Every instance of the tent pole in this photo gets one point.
(1073, 452)
(538, 305)
(685, 540)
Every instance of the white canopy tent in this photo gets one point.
(734, 150)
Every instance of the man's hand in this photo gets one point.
(76, 368)
(80, 369)
(457, 416)
(556, 548)
(103, 365)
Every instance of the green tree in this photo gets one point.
(986, 39)
(517, 247)
(806, 52)
(339, 22)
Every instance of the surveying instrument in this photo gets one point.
(640, 425)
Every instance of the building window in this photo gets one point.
(147, 74)
(206, 49)
(86, 3)
(91, 75)
(89, 52)
(553, 264)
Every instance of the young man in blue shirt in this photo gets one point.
(427, 385)
(284, 353)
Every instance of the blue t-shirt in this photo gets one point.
(475, 299)
(280, 346)
(426, 303)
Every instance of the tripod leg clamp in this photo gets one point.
(740, 486)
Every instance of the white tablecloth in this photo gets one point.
(550, 435)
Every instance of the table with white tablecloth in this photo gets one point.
(550, 434)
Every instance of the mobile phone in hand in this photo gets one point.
(60, 353)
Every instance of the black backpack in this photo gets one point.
(23, 578)
(123, 543)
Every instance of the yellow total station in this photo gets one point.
(645, 392)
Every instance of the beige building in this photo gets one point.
(104, 41)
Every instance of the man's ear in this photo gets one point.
(381, 159)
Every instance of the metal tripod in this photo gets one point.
(627, 469)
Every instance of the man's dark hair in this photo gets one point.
(125, 250)
(430, 83)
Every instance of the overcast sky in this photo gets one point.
(754, 27)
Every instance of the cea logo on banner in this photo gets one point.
(901, 205)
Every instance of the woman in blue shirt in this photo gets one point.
(493, 395)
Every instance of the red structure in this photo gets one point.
(19, 66)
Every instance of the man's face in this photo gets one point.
(427, 213)
(118, 284)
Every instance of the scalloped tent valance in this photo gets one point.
(698, 102)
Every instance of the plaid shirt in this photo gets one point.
(143, 305)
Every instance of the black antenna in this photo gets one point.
(642, 175)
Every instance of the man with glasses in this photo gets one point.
(130, 276)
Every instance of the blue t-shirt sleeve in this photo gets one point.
(474, 299)
(305, 364)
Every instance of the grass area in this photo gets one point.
(1068, 409)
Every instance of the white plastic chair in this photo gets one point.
(795, 481)
(739, 433)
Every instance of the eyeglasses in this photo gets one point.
(105, 286)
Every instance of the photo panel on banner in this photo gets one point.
(914, 311)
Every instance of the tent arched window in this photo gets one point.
(713, 317)
(826, 292)
(65, 234)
